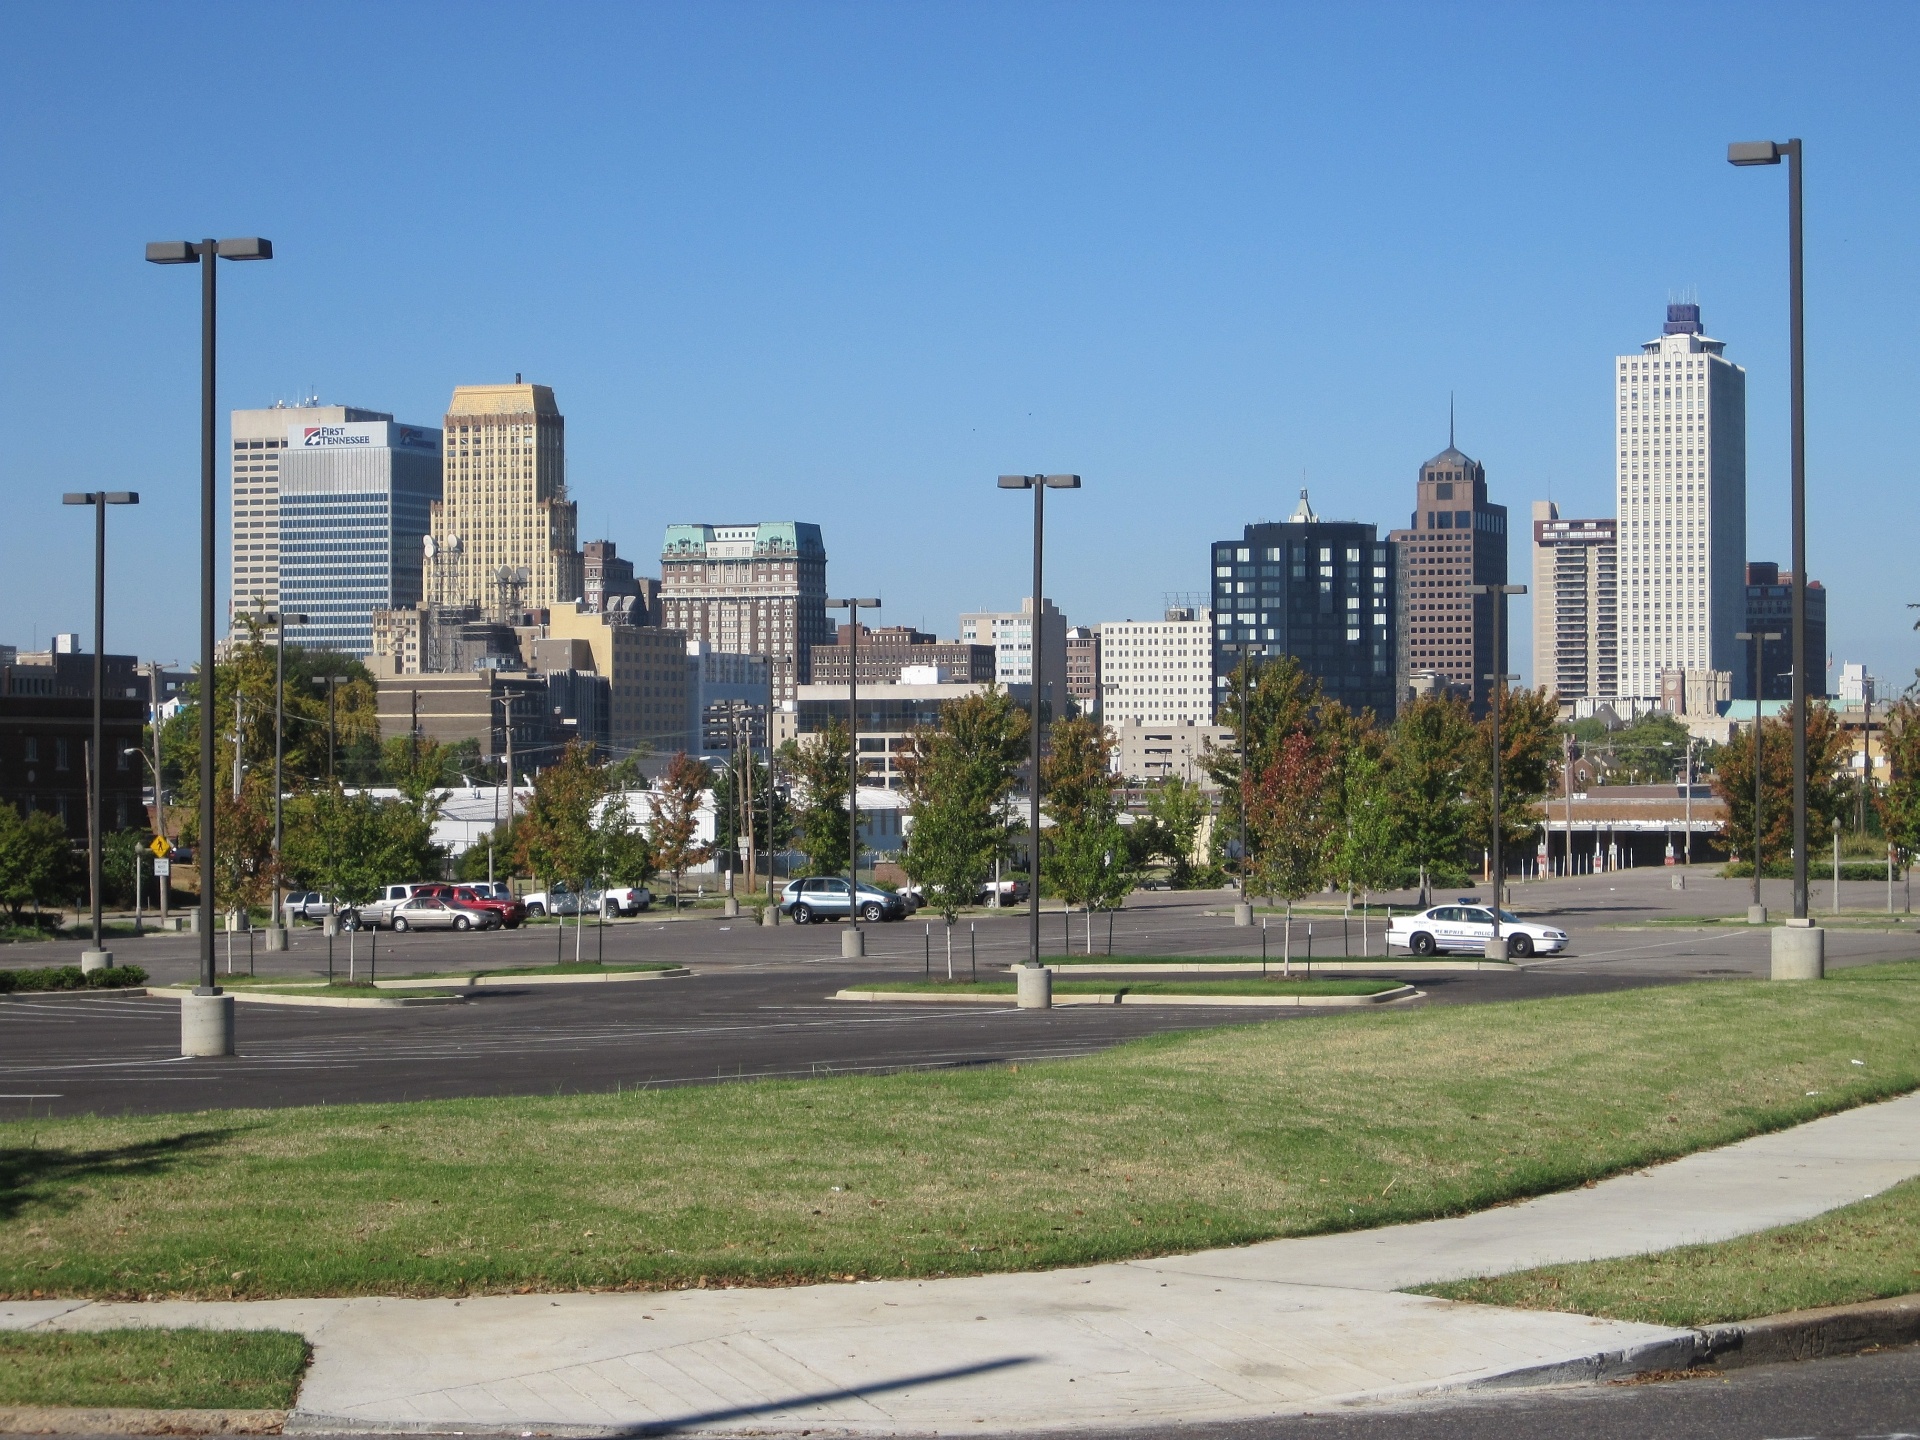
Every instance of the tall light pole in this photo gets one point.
(333, 683)
(1757, 914)
(1039, 484)
(206, 1028)
(1497, 599)
(1772, 152)
(852, 940)
(279, 620)
(98, 958)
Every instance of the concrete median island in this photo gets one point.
(542, 975)
(1249, 990)
(319, 994)
(1301, 967)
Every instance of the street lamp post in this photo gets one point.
(1039, 484)
(853, 940)
(98, 958)
(1772, 152)
(1756, 912)
(206, 1017)
(1496, 867)
(279, 620)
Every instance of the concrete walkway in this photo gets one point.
(1230, 1334)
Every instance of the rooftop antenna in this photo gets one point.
(1449, 420)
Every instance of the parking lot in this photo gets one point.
(757, 1003)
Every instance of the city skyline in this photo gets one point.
(809, 301)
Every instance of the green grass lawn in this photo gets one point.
(1866, 1251)
(1199, 985)
(1178, 1142)
(153, 1369)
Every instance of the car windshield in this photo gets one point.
(1507, 917)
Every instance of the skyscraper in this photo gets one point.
(1576, 622)
(1680, 411)
(504, 535)
(1318, 590)
(259, 438)
(1457, 539)
(354, 503)
(750, 590)
(1769, 610)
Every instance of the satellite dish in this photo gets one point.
(453, 544)
(427, 544)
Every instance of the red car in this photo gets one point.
(510, 912)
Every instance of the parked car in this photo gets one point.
(1012, 892)
(561, 901)
(509, 912)
(1467, 925)
(379, 910)
(625, 900)
(820, 898)
(428, 912)
(306, 905)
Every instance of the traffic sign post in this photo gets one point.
(160, 848)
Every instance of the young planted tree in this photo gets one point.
(554, 838)
(1827, 787)
(1430, 760)
(1364, 850)
(958, 775)
(674, 831)
(37, 861)
(1085, 857)
(348, 844)
(1176, 809)
(817, 766)
(1529, 755)
(1289, 818)
(1899, 799)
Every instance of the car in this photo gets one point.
(429, 912)
(509, 912)
(559, 900)
(379, 910)
(306, 905)
(820, 898)
(1468, 925)
(625, 900)
(1012, 892)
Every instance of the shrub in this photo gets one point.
(70, 977)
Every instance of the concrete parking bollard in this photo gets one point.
(731, 908)
(770, 915)
(853, 943)
(1679, 882)
(92, 960)
(276, 937)
(1756, 914)
(1033, 987)
(1495, 949)
(1243, 915)
(206, 1026)
(1799, 951)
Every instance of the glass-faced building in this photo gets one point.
(1319, 590)
(355, 503)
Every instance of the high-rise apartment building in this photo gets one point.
(1769, 610)
(259, 439)
(354, 505)
(1083, 668)
(750, 590)
(1020, 656)
(1157, 672)
(1457, 539)
(1680, 412)
(1576, 622)
(1318, 590)
(504, 534)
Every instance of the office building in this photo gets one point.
(1083, 669)
(1576, 594)
(1157, 672)
(1680, 411)
(645, 667)
(886, 651)
(1456, 539)
(44, 744)
(1857, 688)
(750, 590)
(607, 580)
(1769, 609)
(1144, 753)
(260, 437)
(479, 706)
(64, 669)
(354, 505)
(1318, 590)
(1010, 633)
(728, 697)
(885, 718)
(504, 534)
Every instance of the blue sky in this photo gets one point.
(846, 263)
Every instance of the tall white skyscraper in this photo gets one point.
(1681, 486)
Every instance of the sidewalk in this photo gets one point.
(1230, 1334)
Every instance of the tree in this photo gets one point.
(1529, 749)
(1827, 781)
(37, 861)
(1176, 809)
(554, 838)
(1899, 799)
(958, 775)
(1364, 851)
(348, 844)
(1288, 820)
(817, 764)
(1650, 751)
(1430, 758)
(674, 831)
(1085, 856)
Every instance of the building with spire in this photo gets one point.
(1318, 590)
(504, 536)
(1680, 411)
(1457, 539)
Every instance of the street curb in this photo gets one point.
(482, 980)
(68, 1420)
(326, 1002)
(1122, 997)
(1809, 1334)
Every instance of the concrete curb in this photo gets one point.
(1809, 1334)
(478, 981)
(330, 1002)
(1285, 1002)
(1319, 968)
(67, 1420)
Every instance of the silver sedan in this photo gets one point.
(425, 913)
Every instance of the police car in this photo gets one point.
(1466, 924)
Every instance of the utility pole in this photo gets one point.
(1566, 777)
(238, 724)
(1496, 866)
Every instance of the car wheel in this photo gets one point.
(803, 914)
(460, 922)
(1422, 944)
(1520, 946)
(536, 909)
(399, 922)
(871, 913)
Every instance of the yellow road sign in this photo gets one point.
(160, 846)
